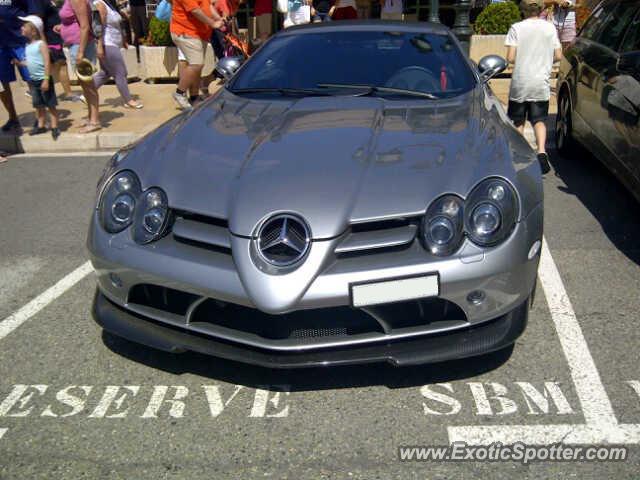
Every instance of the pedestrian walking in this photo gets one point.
(41, 85)
(111, 61)
(12, 46)
(75, 31)
(48, 12)
(192, 23)
(532, 46)
(563, 16)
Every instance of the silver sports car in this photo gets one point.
(355, 193)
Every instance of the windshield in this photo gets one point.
(339, 60)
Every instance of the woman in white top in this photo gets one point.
(111, 61)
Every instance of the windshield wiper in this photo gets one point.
(373, 89)
(281, 91)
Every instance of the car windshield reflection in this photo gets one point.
(375, 62)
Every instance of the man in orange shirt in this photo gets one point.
(192, 22)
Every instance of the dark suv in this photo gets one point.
(599, 90)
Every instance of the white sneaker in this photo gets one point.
(182, 101)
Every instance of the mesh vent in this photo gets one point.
(318, 332)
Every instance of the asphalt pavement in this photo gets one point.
(78, 403)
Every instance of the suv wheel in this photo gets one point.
(564, 138)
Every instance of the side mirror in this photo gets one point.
(490, 66)
(629, 63)
(227, 66)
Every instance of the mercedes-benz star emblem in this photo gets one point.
(283, 240)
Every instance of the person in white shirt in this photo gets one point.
(111, 60)
(532, 46)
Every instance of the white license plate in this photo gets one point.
(394, 290)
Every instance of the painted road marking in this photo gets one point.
(601, 424)
(2, 432)
(17, 318)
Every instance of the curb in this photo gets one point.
(67, 142)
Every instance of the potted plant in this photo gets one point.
(491, 27)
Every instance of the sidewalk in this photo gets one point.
(121, 126)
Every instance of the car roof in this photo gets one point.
(366, 26)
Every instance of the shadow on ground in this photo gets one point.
(305, 379)
(66, 122)
(613, 206)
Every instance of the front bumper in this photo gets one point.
(490, 336)
(505, 275)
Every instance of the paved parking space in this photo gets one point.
(77, 403)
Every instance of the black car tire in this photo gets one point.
(565, 142)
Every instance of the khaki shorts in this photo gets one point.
(263, 24)
(193, 49)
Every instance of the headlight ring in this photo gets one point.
(152, 216)
(491, 212)
(116, 206)
(442, 225)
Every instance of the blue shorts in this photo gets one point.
(40, 98)
(7, 69)
(89, 53)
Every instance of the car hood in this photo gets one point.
(332, 160)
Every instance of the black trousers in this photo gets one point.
(139, 21)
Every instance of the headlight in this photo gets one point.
(442, 225)
(491, 212)
(152, 216)
(118, 201)
(111, 166)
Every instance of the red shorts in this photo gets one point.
(345, 13)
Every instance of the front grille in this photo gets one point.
(318, 332)
(202, 232)
(161, 298)
(326, 322)
(298, 329)
(378, 237)
(364, 238)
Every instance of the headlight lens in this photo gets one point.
(442, 225)
(485, 219)
(118, 202)
(151, 217)
(492, 211)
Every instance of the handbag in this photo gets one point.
(282, 6)
(163, 11)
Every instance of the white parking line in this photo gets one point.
(601, 424)
(2, 432)
(17, 318)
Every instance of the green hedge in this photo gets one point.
(496, 18)
(159, 34)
